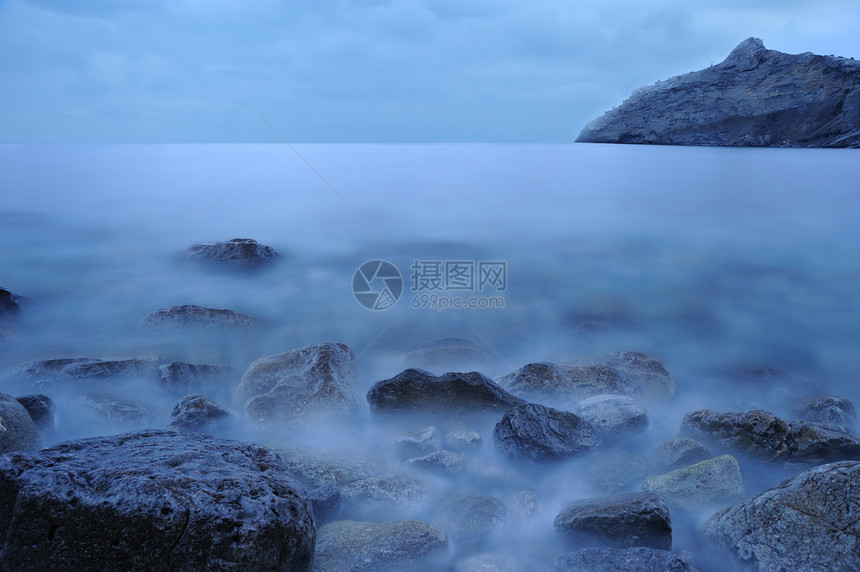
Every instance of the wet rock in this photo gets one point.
(613, 417)
(418, 392)
(326, 503)
(765, 437)
(197, 413)
(634, 374)
(712, 483)
(443, 462)
(181, 376)
(369, 490)
(18, 432)
(10, 303)
(622, 520)
(832, 409)
(418, 442)
(152, 500)
(613, 471)
(41, 410)
(464, 441)
(638, 559)
(120, 413)
(235, 253)
(311, 382)
(676, 453)
(408, 545)
(470, 520)
(87, 370)
(192, 316)
(540, 434)
(545, 382)
(808, 522)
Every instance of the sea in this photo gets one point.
(720, 261)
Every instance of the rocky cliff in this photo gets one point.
(755, 98)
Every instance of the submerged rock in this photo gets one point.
(89, 370)
(539, 434)
(193, 316)
(18, 432)
(638, 559)
(755, 98)
(181, 376)
(41, 410)
(464, 441)
(10, 303)
(613, 417)
(236, 253)
(541, 381)
(675, 454)
(417, 442)
(311, 382)
(408, 545)
(808, 522)
(443, 462)
(765, 437)
(120, 413)
(197, 413)
(621, 520)
(831, 409)
(152, 500)
(711, 483)
(470, 520)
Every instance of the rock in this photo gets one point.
(613, 417)
(638, 559)
(41, 410)
(540, 434)
(181, 376)
(470, 520)
(613, 471)
(443, 462)
(154, 500)
(418, 442)
(192, 316)
(808, 522)
(197, 413)
(10, 303)
(464, 441)
(326, 503)
(765, 437)
(540, 382)
(676, 453)
(707, 484)
(18, 432)
(236, 253)
(418, 392)
(622, 520)
(311, 382)
(832, 409)
(755, 98)
(369, 490)
(120, 413)
(89, 370)
(408, 545)
(633, 374)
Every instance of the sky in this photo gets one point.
(206, 71)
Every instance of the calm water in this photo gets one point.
(717, 260)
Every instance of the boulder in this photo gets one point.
(622, 520)
(311, 382)
(86, 370)
(707, 484)
(197, 413)
(765, 437)
(755, 98)
(191, 316)
(676, 453)
(41, 410)
(613, 417)
(408, 545)
(18, 432)
(464, 441)
(638, 559)
(182, 376)
(154, 500)
(833, 410)
(539, 434)
(447, 463)
(808, 522)
(417, 442)
(235, 253)
(543, 381)
(470, 520)
(417, 392)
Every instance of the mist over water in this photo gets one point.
(719, 261)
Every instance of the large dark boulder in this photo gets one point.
(808, 522)
(765, 437)
(538, 434)
(622, 520)
(755, 97)
(421, 393)
(235, 253)
(154, 500)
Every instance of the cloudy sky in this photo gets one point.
(117, 71)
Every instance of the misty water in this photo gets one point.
(719, 261)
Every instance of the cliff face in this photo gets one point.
(755, 98)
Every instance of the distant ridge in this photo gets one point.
(755, 98)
